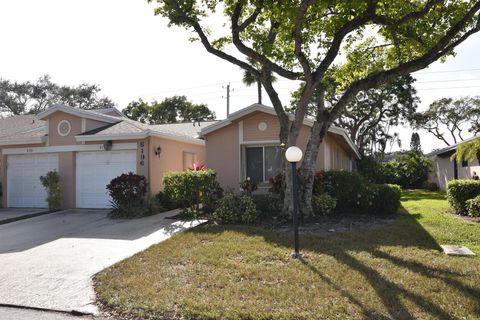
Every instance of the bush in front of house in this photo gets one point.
(233, 208)
(349, 188)
(386, 198)
(269, 205)
(51, 183)
(410, 170)
(192, 188)
(127, 193)
(459, 191)
(473, 207)
(323, 204)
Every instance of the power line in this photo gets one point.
(448, 88)
(447, 71)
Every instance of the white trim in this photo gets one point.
(240, 150)
(64, 134)
(262, 142)
(139, 135)
(70, 148)
(36, 140)
(78, 112)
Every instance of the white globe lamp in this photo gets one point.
(293, 154)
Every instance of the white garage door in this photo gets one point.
(95, 170)
(23, 179)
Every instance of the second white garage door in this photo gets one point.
(95, 170)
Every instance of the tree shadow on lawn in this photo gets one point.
(407, 234)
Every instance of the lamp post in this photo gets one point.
(294, 155)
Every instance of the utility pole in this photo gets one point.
(228, 98)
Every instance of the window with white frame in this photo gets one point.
(262, 162)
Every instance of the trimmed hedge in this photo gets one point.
(128, 193)
(268, 205)
(236, 209)
(190, 188)
(459, 191)
(386, 198)
(323, 204)
(473, 207)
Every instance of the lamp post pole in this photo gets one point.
(294, 155)
(296, 253)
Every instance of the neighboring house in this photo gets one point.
(444, 169)
(89, 148)
(246, 144)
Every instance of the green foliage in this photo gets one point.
(248, 186)
(415, 144)
(467, 151)
(170, 110)
(166, 201)
(128, 192)
(410, 170)
(323, 204)
(386, 199)
(473, 207)
(51, 183)
(459, 191)
(191, 188)
(375, 171)
(236, 209)
(448, 117)
(27, 97)
(430, 186)
(349, 190)
(268, 205)
(190, 213)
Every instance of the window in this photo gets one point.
(464, 163)
(262, 163)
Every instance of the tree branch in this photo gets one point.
(297, 37)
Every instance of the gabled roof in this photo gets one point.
(450, 149)
(22, 129)
(89, 114)
(256, 107)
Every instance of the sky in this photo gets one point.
(132, 54)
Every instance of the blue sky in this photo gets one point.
(132, 54)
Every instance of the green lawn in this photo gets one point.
(392, 272)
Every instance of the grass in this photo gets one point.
(393, 272)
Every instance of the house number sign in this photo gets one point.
(142, 153)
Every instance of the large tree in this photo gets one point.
(356, 44)
(170, 110)
(448, 119)
(32, 97)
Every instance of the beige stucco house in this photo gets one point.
(246, 144)
(444, 169)
(88, 148)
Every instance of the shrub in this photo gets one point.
(348, 188)
(51, 183)
(374, 170)
(459, 191)
(190, 188)
(386, 199)
(268, 205)
(276, 185)
(410, 170)
(236, 209)
(165, 201)
(189, 213)
(248, 186)
(128, 192)
(323, 204)
(473, 207)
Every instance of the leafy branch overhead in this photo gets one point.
(170, 110)
(27, 97)
(350, 46)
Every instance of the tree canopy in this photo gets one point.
(415, 144)
(448, 118)
(345, 46)
(170, 110)
(32, 97)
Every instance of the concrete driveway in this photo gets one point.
(48, 261)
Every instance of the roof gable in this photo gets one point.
(79, 113)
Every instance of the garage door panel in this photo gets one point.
(95, 170)
(23, 179)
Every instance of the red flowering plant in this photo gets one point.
(198, 167)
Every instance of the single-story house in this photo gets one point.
(246, 144)
(444, 169)
(90, 147)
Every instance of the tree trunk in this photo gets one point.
(259, 88)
